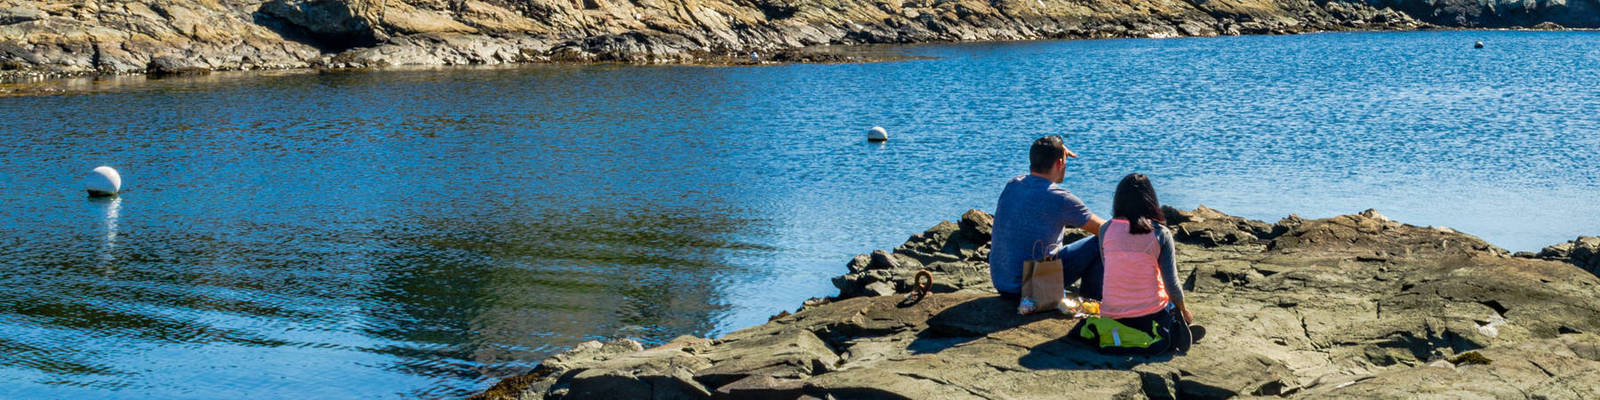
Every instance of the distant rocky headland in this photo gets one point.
(56, 38)
(1354, 306)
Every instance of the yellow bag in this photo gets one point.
(1110, 334)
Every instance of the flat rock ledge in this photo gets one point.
(1354, 306)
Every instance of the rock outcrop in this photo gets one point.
(1208, 227)
(43, 38)
(1355, 306)
(63, 37)
(1583, 252)
(956, 253)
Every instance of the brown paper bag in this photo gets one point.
(1042, 282)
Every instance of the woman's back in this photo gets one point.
(1133, 284)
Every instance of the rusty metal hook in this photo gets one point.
(921, 285)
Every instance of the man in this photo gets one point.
(1030, 218)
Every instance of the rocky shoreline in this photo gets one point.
(62, 38)
(1354, 306)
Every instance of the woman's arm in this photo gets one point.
(1169, 272)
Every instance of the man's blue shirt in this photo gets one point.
(1028, 221)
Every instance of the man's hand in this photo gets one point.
(1069, 153)
(1188, 318)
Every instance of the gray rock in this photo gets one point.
(1583, 252)
(859, 263)
(929, 246)
(1210, 227)
(977, 226)
(793, 354)
(761, 387)
(880, 289)
(540, 382)
(882, 260)
(661, 373)
(1354, 306)
(20, 14)
(168, 66)
(589, 352)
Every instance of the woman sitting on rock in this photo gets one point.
(1141, 273)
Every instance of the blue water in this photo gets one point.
(423, 233)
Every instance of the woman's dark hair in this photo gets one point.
(1136, 202)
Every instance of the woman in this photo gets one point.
(1141, 273)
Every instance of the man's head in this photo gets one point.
(1048, 158)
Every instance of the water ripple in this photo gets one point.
(422, 233)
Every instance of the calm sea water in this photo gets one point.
(423, 233)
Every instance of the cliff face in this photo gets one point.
(1355, 306)
(76, 36)
(163, 36)
(169, 36)
(1498, 13)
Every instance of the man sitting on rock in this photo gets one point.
(1032, 214)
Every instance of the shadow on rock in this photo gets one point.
(972, 320)
(1067, 353)
(1047, 334)
(329, 26)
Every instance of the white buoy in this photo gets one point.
(103, 182)
(1478, 45)
(877, 134)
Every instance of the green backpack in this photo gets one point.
(1113, 335)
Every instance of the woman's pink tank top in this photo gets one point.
(1133, 286)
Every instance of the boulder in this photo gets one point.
(882, 260)
(1583, 252)
(172, 66)
(859, 263)
(977, 226)
(1371, 231)
(1205, 226)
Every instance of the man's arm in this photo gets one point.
(1075, 213)
(1093, 226)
